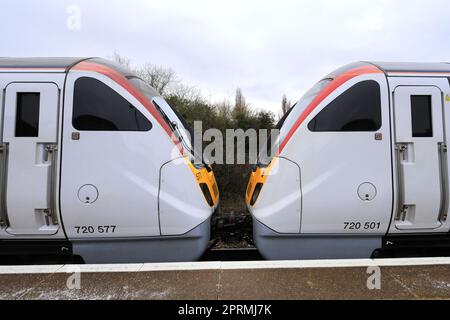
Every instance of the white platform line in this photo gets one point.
(29, 269)
(238, 265)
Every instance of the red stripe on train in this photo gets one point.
(127, 85)
(333, 85)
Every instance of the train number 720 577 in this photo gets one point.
(94, 229)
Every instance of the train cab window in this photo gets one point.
(97, 107)
(27, 114)
(422, 125)
(357, 109)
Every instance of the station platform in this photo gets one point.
(424, 278)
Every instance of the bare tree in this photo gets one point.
(240, 99)
(241, 111)
(285, 105)
(224, 109)
(160, 78)
(163, 79)
(185, 92)
(123, 61)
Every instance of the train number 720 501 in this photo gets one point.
(362, 225)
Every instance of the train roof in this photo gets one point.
(415, 67)
(390, 68)
(40, 63)
(58, 64)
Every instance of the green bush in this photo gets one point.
(232, 179)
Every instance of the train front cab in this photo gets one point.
(361, 166)
(101, 171)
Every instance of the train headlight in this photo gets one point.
(258, 177)
(207, 194)
(256, 192)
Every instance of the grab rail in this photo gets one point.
(401, 209)
(443, 170)
(4, 222)
(51, 211)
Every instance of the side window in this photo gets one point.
(27, 114)
(97, 107)
(422, 125)
(357, 109)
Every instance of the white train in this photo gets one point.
(361, 166)
(94, 163)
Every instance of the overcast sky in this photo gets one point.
(265, 47)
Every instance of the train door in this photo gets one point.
(346, 161)
(30, 135)
(110, 164)
(420, 154)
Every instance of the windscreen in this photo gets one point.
(286, 123)
(175, 121)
